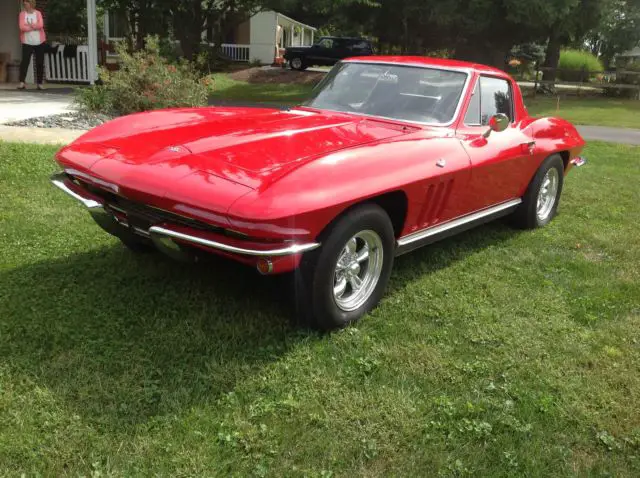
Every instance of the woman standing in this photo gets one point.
(32, 37)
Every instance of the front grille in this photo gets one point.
(143, 216)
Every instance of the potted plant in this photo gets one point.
(13, 71)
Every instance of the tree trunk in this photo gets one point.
(552, 58)
(492, 55)
(188, 27)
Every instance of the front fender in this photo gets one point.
(307, 199)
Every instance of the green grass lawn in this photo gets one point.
(597, 111)
(227, 89)
(495, 353)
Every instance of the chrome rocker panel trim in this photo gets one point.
(160, 235)
(435, 233)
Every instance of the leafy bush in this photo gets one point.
(145, 81)
(573, 64)
(96, 99)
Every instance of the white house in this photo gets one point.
(260, 38)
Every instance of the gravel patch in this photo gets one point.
(71, 120)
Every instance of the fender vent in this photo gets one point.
(436, 199)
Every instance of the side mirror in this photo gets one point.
(498, 122)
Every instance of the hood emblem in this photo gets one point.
(177, 149)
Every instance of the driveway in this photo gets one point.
(20, 105)
(613, 135)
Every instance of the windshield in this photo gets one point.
(425, 95)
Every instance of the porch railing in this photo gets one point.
(236, 52)
(61, 68)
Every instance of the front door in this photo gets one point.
(503, 163)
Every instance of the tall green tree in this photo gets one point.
(618, 30)
(569, 26)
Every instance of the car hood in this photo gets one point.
(248, 146)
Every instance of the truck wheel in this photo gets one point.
(346, 277)
(297, 63)
(540, 201)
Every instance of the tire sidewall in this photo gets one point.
(326, 312)
(554, 161)
(529, 212)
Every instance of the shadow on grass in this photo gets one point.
(121, 338)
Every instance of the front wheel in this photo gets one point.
(540, 201)
(346, 278)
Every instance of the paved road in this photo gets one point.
(613, 135)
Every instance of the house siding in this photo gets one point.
(263, 36)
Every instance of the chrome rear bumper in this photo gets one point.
(164, 237)
(579, 161)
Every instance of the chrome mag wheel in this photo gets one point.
(296, 63)
(547, 195)
(358, 270)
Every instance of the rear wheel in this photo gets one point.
(298, 63)
(540, 201)
(346, 278)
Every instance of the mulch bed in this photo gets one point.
(277, 75)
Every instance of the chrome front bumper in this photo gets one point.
(164, 237)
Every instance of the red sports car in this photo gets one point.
(387, 155)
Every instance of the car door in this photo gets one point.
(503, 162)
(339, 51)
(319, 54)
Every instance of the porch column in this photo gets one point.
(301, 36)
(292, 32)
(92, 37)
(312, 37)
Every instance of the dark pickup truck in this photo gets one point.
(327, 51)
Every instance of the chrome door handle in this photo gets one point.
(528, 147)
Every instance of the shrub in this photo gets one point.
(573, 64)
(95, 99)
(145, 81)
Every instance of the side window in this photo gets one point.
(339, 44)
(495, 97)
(360, 46)
(472, 118)
(326, 43)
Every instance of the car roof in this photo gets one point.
(428, 61)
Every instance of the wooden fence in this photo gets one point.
(583, 80)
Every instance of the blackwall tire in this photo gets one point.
(346, 277)
(540, 201)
